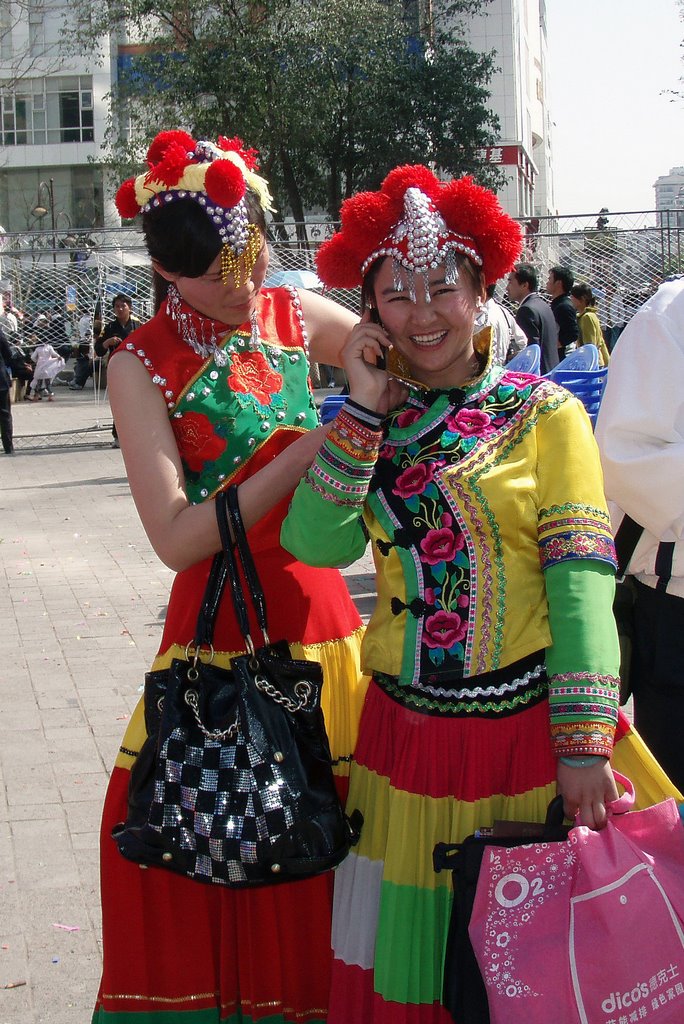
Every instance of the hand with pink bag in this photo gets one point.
(589, 930)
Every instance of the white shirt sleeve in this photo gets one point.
(640, 428)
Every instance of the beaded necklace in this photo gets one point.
(201, 333)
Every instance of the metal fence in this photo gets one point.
(623, 256)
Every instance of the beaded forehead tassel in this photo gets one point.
(242, 241)
(240, 264)
(422, 223)
(214, 176)
(419, 242)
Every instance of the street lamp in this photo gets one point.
(39, 211)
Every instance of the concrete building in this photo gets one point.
(669, 194)
(54, 112)
(516, 30)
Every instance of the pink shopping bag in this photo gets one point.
(587, 931)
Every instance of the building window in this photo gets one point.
(36, 28)
(5, 31)
(48, 110)
(78, 192)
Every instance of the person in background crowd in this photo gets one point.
(617, 317)
(115, 331)
(640, 433)
(6, 431)
(10, 319)
(51, 328)
(507, 337)
(329, 375)
(48, 363)
(587, 318)
(492, 646)
(22, 368)
(558, 285)
(534, 315)
(214, 391)
(83, 366)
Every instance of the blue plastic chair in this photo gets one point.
(527, 360)
(330, 407)
(585, 357)
(587, 385)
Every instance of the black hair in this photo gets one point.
(565, 277)
(122, 297)
(583, 291)
(183, 240)
(524, 273)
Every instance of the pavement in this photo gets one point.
(82, 602)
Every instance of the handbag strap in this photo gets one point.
(626, 801)
(237, 528)
(224, 569)
(204, 630)
(234, 538)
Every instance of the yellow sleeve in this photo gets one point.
(572, 515)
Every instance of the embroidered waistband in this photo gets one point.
(501, 692)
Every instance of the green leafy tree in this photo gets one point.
(333, 94)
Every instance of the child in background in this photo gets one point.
(48, 364)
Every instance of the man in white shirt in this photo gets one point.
(9, 324)
(640, 432)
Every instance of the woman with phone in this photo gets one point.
(492, 647)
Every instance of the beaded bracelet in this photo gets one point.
(581, 762)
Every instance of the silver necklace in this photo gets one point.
(199, 332)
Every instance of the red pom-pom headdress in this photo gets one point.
(216, 177)
(421, 222)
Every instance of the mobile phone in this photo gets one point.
(374, 318)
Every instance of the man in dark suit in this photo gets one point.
(5, 406)
(558, 285)
(534, 315)
(116, 331)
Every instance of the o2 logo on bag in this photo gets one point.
(514, 889)
(616, 1001)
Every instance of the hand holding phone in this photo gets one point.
(374, 318)
(391, 361)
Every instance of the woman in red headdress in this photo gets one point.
(213, 391)
(492, 647)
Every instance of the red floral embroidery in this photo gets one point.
(197, 441)
(444, 629)
(408, 417)
(414, 480)
(440, 546)
(250, 374)
(521, 380)
(470, 423)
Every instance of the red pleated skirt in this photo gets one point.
(421, 779)
(178, 951)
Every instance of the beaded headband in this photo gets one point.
(421, 223)
(421, 241)
(214, 176)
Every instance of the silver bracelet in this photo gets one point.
(581, 762)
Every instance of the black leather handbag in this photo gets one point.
(464, 994)
(234, 784)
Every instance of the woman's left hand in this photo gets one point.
(587, 791)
